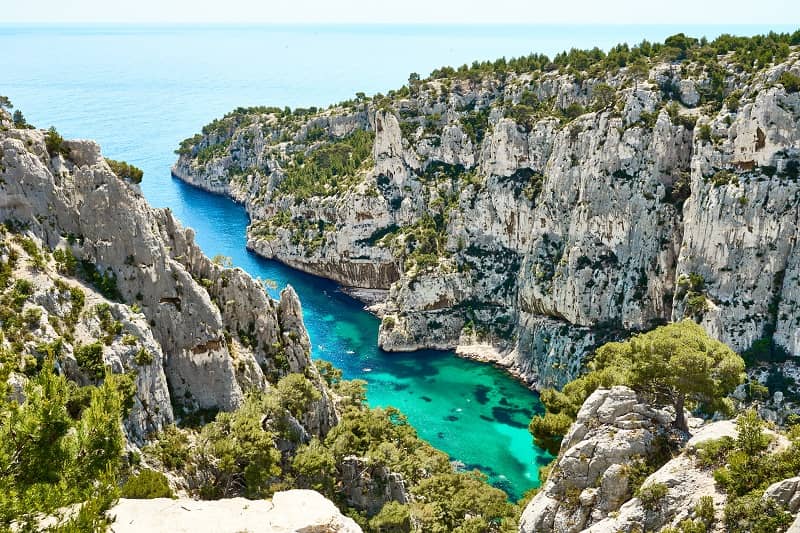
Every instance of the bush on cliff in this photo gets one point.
(147, 484)
(50, 459)
(125, 171)
(677, 365)
(745, 467)
(55, 143)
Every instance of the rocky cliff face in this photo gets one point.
(539, 213)
(194, 335)
(619, 446)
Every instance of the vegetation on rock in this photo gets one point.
(677, 365)
(125, 171)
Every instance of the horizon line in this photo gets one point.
(384, 23)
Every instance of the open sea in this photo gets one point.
(140, 90)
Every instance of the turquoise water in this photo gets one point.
(139, 90)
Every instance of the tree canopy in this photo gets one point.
(52, 456)
(677, 364)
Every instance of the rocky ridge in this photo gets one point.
(617, 448)
(537, 213)
(194, 334)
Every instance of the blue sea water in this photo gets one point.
(139, 90)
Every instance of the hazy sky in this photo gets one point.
(406, 11)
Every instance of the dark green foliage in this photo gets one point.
(171, 448)
(691, 288)
(651, 495)
(90, 359)
(5, 103)
(315, 467)
(724, 177)
(677, 364)
(55, 143)
(394, 517)
(604, 96)
(704, 134)
(212, 151)
(315, 134)
(744, 468)
(790, 82)
(125, 171)
(475, 124)
(49, 459)
(524, 115)
(296, 393)
(328, 169)
(748, 53)
(186, 145)
(751, 514)
(329, 373)
(65, 260)
(105, 282)
(19, 119)
(238, 454)
(108, 323)
(145, 485)
(143, 357)
(573, 111)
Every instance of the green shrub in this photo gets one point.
(329, 169)
(146, 485)
(651, 495)
(171, 448)
(724, 177)
(51, 460)
(19, 119)
(704, 510)
(751, 514)
(393, 517)
(790, 82)
(125, 171)
(329, 373)
(296, 393)
(90, 359)
(55, 143)
(143, 357)
(315, 467)
(238, 455)
(548, 430)
(65, 261)
(704, 134)
(105, 282)
(714, 452)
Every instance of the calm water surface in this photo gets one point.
(139, 90)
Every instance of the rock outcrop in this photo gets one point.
(542, 213)
(367, 487)
(292, 511)
(619, 444)
(209, 333)
(613, 432)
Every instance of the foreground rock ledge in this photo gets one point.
(300, 511)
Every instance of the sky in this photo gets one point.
(404, 11)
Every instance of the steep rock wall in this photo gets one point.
(496, 214)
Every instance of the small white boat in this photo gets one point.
(366, 369)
